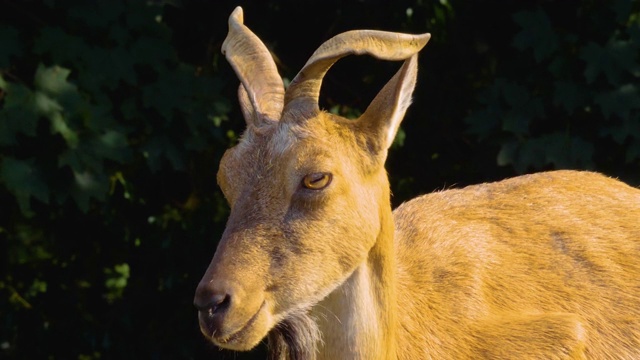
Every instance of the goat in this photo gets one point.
(542, 266)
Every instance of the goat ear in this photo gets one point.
(246, 107)
(383, 116)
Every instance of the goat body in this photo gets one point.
(542, 266)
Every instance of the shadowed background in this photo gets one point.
(114, 115)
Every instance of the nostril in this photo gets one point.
(219, 303)
(213, 303)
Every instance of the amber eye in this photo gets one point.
(317, 181)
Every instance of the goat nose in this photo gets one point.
(211, 300)
(212, 305)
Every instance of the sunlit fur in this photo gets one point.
(543, 266)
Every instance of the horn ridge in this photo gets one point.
(304, 90)
(256, 69)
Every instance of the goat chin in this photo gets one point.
(295, 338)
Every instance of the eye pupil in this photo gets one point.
(316, 181)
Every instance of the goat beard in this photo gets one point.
(295, 338)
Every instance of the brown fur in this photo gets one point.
(542, 266)
(546, 260)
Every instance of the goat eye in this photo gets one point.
(317, 181)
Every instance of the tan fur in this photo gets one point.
(543, 266)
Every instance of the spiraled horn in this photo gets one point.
(301, 98)
(256, 69)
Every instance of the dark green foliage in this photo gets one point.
(578, 94)
(108, 146)
(114, 114)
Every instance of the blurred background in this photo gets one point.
(114, 115)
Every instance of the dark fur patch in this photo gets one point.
(562, 243)
(295, 338)
(346, 263)
(278, 257)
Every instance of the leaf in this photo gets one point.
(634, 32)
(99, 117)
(122, 269)
(621, 131)
(620, 102)
(152, 51)
(96, 14)
(557, 149)
(119, 34)
(44, 105)
(622, 9)
(60, 126)
(106, 67)
(92, 151)
(144, 17)
(23, 180)
(515, 95)
(117, 279)
(569, 95)
(507, 154)
(560, 66)
(567, 151)
(38, 286)
(596, 58)
(536, 34)
(633, 151)
(53, 80)
(81, 159)
(61, 46)
(522, 110)
(515, 117)
(120, 66)
(86, 186)
(19, 115)
(11, 45)
(484, 122)
(530, 155)
(129, 109)
(163, 95)
(159, 147)
(112, 145)
(612, 60)
(515, 122)
(52, 89)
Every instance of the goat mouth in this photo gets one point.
(238, 335)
